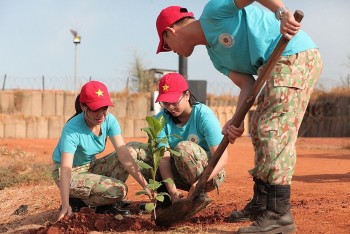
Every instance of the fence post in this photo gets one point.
(3, 84)
(43, 82)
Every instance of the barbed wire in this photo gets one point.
(66, 83)
(117, 84)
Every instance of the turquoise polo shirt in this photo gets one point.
(242, 40)
(78, 139)
(203, 128)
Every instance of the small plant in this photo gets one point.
(156, 150)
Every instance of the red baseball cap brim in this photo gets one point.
(99, 104)
(168, 97)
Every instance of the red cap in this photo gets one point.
(167, 17)
(95, 95)
(171, 87)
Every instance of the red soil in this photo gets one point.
(320, 197)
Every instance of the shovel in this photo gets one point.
(198, 199)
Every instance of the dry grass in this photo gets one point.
(17, 167)
(335, 92)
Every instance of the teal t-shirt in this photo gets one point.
(203, 128)
(242, 40)
(78, 139)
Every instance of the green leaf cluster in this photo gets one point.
(156, 147)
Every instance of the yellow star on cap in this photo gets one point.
(99, 93)
(165, 87)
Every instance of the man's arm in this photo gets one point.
(273, 5)
(245, 82)
(289, 26)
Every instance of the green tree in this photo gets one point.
(139, 77)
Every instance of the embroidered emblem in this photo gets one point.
(193, 138)
(226, 40)
(99, 93)
(165, 87)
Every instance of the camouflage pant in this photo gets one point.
(101, 182)
(186, 168)
(280, 111)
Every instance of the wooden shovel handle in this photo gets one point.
(245, 107)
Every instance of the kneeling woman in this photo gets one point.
(201, 134)
(96, 182)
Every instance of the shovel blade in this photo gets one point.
(198, 204)
(173, 213)
(181, 210)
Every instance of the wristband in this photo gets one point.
(279, 12)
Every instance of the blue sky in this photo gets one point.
(35, 40)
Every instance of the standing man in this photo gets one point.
(240, 38)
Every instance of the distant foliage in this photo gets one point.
(328, 114)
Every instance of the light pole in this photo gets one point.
(76, 40)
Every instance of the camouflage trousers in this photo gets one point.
(186, 168)
(101, 182)
(279, 113)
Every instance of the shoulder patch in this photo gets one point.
(226, 40)
(193, 138)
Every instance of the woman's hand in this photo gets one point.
(149, 193)
(64, 211)
(232, 132)
(176, 197)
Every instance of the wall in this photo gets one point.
(42, 114)
(327, 115)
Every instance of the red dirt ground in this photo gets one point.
(320, 195)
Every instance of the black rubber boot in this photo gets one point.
(277, 218)
(76, 204)
(111, 209)
(255, 207)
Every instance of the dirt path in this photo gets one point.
(320, 191)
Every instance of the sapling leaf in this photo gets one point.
(161, 121)
(174, 152)
(160, 198)
(168, 180)
(157, 156)
(153, 126)
(159, 124)
(149, 133)
(157, 127)
(149, 207)
(154, 185)
(163, 140)
(144, 165)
